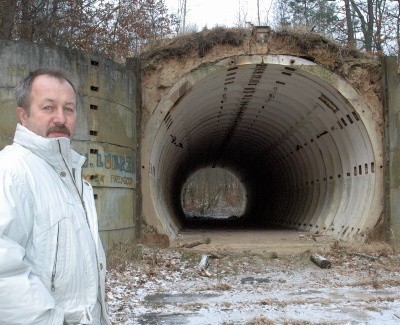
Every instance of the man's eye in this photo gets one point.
(48, 108)
(69, 110)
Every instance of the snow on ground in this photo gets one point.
(167, 286)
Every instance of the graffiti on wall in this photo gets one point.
(110, 169)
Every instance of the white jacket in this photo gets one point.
(51, 263)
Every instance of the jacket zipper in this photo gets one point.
(86, 215)
(53, 273)
(76, 187)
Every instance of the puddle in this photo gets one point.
(158, 319)
(252, 280)
(308, 292)
(166, 298)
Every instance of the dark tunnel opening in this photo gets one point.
(259, 188)
(298, 140)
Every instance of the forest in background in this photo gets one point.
(119, 28)
(213, 193)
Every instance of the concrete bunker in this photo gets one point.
(301, 139)
(311, 158)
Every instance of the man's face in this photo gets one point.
(52, 109)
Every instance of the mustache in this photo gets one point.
(59, 129)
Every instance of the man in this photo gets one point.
(52, 264)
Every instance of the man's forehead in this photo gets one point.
(52, 100)
(45, 82)
(45, 78)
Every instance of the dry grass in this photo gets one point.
(266, 321)
(381, 299)
(198, 42)
(260, 321)
(307, 41)
(377, 261)
(217, 287)
(281, 304)
(304, 43)
(120, 254)
(226, 304)
(301, 322)
(273, 302)
(376, 283)
(193, 305)
(341, 251)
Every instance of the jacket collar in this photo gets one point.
(48, 149)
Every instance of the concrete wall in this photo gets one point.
(109, 115)
(392, 142)
(106, 128)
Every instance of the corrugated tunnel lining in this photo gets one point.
(298, 145)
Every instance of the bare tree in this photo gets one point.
(112, 27)
(7, 15)
(398, 36)
(184, 12)
(242, 14)
(367, 22)
(319, 16)
(282, 17)
(351, 42)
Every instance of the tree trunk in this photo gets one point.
(26, 32)
(351, 42)
(370, 27)
(367, 25)
(398, 37)
(184, 17)
(7, 14)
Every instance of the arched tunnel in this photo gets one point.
(301, 140)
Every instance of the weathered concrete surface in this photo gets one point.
(392, 142)
(106, 126)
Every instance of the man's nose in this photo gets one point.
(59, 116)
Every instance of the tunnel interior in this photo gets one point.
(298, 141)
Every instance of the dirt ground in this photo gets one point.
(282, 242)
(255, 277)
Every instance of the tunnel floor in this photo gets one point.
(233, 222)
(268, 241)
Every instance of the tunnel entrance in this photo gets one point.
(302, 141)
(213, 196)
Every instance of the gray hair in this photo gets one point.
(24, 87)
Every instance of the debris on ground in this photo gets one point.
(204, 261)
(165, 286)
(321, 261)
(193, 243)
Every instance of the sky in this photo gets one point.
(221, 12)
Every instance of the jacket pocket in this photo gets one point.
(54, 271)
(56, 256)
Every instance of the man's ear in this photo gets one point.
(22, 115)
